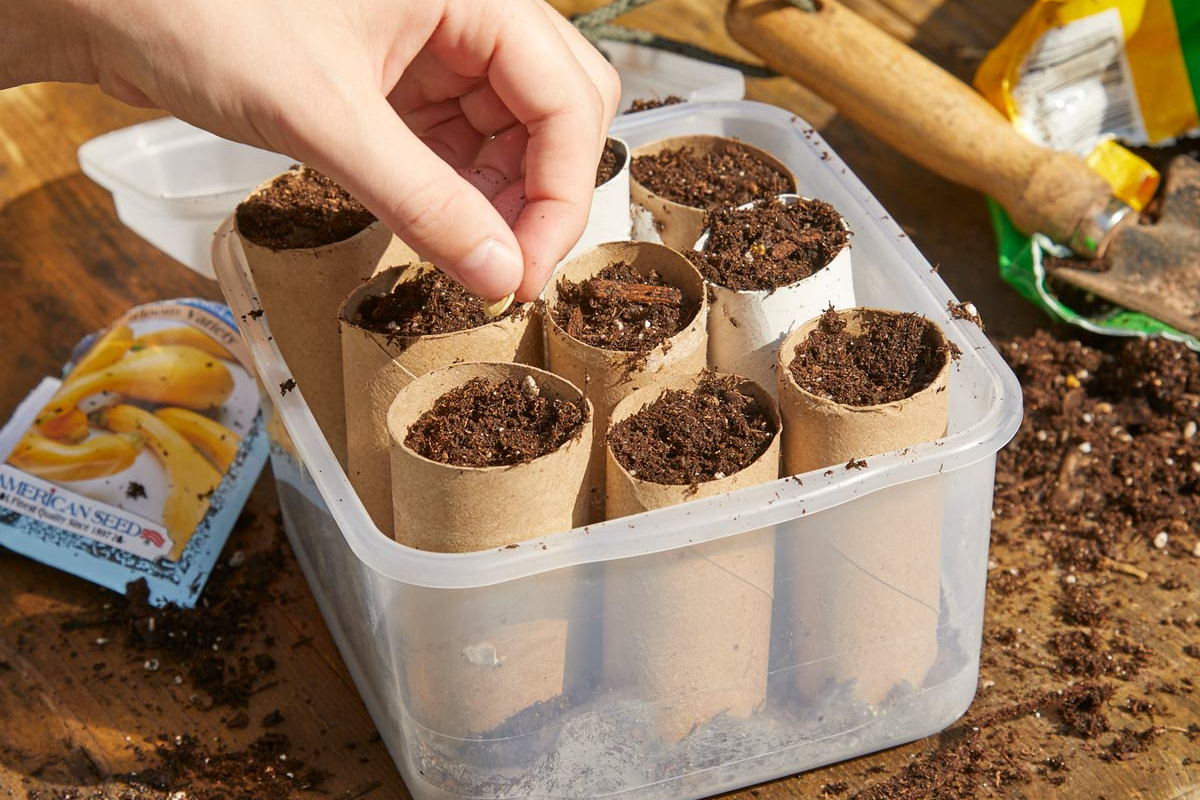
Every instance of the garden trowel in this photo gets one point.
(944, 125)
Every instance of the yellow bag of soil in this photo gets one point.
(1095, 77)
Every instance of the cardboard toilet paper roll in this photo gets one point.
(378, 365)
(608, 375)
(678, 226)
(609, 219)
(747, 327)
(494, 660)
(688, 631)
(869, 615)
(300, 290)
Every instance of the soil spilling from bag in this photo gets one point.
(429, 304)
(301, 208)
(771, 245)
(494, 424)
(648, 104)
(894, 356)
(689, 437)
(620, 309)
(730, 176)
(610, 163)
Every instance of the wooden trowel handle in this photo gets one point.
(921, 110)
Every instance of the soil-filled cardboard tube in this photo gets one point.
(688, 631)
(450, 509)
(746, 327)
(678, 225)
(300, 290)
(606, 376)
(475, 665)
(870, 617)
(609, 219)
(378, 365)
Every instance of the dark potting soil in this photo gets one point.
(730, 176)
(894, 356)
(492, 424)
(647, 104)
(685, 438)
(431, 303)
(301, 208)
(610, 163)
(617, 309)
(771, 245)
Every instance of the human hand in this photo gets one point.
(423, 109)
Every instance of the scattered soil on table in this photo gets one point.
(135, 491)
(647, 104)
(618, 310)
(893, 357)
(610, 163)
(1108, 453)
(301, 208)
(685, 438)
(771, 245)
(429, 304)
(495, 423)
(1106, 460)
(729, 176)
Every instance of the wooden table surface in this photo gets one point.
(67, 267)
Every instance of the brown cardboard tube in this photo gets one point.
(477, 665)
(300, 291)
(679, 226)
(869, 615)
(609, 375)
(689, 630)
(449, 509)
(378, 366)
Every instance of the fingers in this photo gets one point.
(537, 77)
(369, 150)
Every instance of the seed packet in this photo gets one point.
(137, 462)
(1085, 76)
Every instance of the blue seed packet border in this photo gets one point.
(180, 582)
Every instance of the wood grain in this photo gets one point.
(67, 267)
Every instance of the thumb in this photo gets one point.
(419, 196)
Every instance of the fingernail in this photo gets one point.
(492, 270)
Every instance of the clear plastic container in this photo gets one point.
(173, 183)
(398, 614)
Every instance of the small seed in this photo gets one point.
(1071, 579)
(1196, 550)
(1072, 382)
(1042, 436)
(495, 308)
(1160, 541)
(1189, 430)
(529, 387)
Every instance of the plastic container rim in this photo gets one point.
(657, 531)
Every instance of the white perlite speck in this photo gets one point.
(1085, 448)
(1160, 541)
(529, 387)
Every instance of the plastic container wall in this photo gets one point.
(386, 604)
